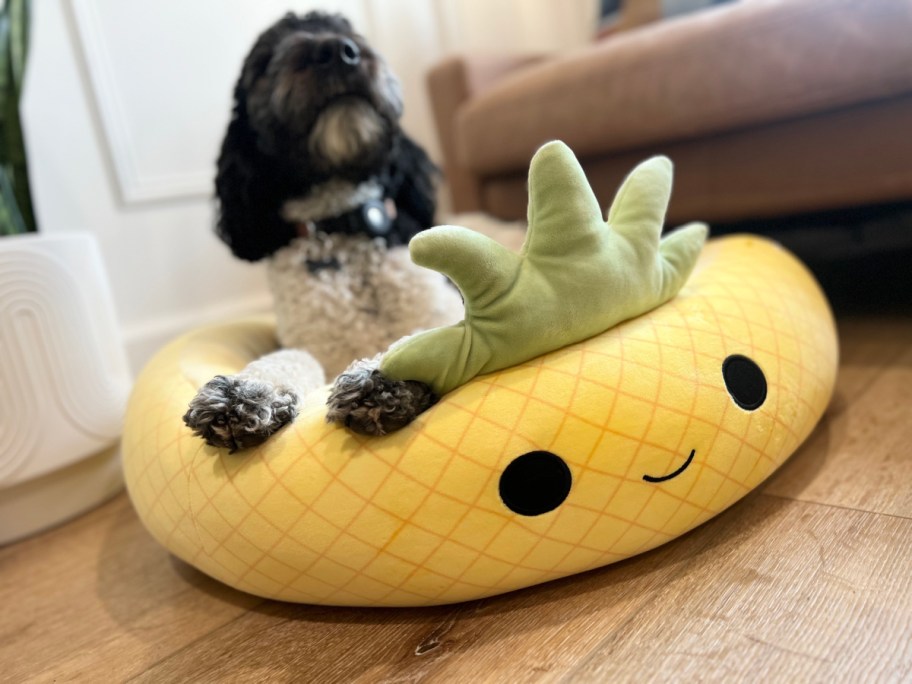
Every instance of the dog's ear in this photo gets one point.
(249, 189)
(410, 180)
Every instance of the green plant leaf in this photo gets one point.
(5, 70)
(11, 222)
(20, 20)
(14, 30)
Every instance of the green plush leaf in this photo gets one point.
(577, 275)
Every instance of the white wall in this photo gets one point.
(126, 102)
(515, 26)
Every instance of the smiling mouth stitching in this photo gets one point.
(663, 478)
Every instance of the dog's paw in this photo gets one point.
(369, 403)
(238, 413)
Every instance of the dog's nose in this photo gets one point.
(349, 52)
(334, 50)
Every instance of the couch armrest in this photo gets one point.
(451, 83)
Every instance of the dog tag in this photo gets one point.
(376, 219)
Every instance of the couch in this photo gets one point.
(767, 108)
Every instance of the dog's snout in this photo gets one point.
(333, 51)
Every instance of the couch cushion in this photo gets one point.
(750, 63)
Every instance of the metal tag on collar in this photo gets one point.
(376, 219)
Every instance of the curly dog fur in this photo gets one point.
(315, 134)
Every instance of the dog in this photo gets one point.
(316, 177)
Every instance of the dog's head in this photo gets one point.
(318, 95)
(313, 102)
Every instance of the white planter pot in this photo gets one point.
(64, 382)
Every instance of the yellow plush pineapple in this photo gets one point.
(576, 458)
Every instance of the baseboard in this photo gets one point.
(29, 507)
(144, 339)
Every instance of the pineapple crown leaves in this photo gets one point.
(576, 276)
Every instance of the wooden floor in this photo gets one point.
(807, 579)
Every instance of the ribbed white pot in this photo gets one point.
(64, 382)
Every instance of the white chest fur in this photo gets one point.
(344, 298)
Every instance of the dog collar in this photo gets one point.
(374, 218)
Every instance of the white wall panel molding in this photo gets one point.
(135, 183)
(162, 75)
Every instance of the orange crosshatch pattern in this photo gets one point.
(320, 515)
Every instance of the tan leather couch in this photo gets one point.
(767, 108)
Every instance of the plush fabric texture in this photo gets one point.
(446, 509)
(576, 275)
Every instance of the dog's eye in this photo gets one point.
(744, 381)
(535, 483)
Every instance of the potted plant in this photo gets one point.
(63, 371)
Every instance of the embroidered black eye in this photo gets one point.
(535, 483)
(744, 381)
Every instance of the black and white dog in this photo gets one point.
(316, 176)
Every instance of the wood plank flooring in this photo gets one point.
(807, 579)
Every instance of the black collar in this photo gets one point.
(372, 219)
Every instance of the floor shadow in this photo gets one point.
(802, 468)
(137, 577)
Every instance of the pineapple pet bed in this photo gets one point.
(568, 458)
